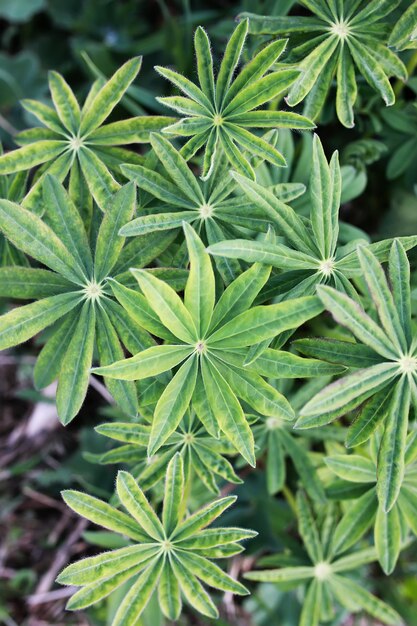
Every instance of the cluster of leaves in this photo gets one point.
(230, 311)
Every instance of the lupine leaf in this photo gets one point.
(199, 292)
(167, 305)
(31, 235)
(109, 243)
(75, 369)
(104, 514)
(172, 404)
(228, 412)
(135, 502)
(391, 454)
(108, 96)
(22, 323)
(388, 538)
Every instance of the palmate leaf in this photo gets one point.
(167, 555)
(204, 458)
(73, 293)
(204, 337)
(219, 111)
(338, 41)
(216, 211)
(394, 375)
(310, 248)
(76, 138)
(325, 576)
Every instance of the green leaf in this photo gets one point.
(256, 68)
(104, 101)
(369, 417)
(312, 605)
(348, 313)
(100, 182)
(228, 412)
(399, 273)
(308, 529)
(303, 465)
(133, 130)
(75, 369)
(261, 396)
(109, 243)
(199, 292)
(178, 169)
(140, 311)
(280, 364)
(325, 190)
(388, 538)
(355, 522)
(24, 322)
(346, 588)
(64, 219)
(284, 574)
(158, 186)
(347, 89)
(277, 255)
(168, 306)
(202, 517)
(287, 221)
(404, 34)
(370, 69)
(169, 594)
(359, 384)
(210, 573)
(390, 472)
(230, 60)
(344, 352)
(97, 591)
(312, 66)
(31, 235)
(137, 434)
(257, 93)
(263, 322)
(240, 294)
(110, 350)
(138, 595)
(382, 298)
(187, 87)
(65, 102)
(103, 514)
(353, 467)
(150, 362)
(95, 568)
(29, 283)
(135, 502)
(49, 361)
(174, 487)
(172, 404)
(29, 156)
(204, 63)
(192, 589)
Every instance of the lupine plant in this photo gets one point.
(233, 313)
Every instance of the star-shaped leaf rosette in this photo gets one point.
(384, 380)
(74, 141)
(209, 342)
(341, 40)
(71, 294)
(310, 254)
(325, 574)
(172, 554)
(362, 511)
(219, 112)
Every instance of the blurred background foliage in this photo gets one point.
(83, 39)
